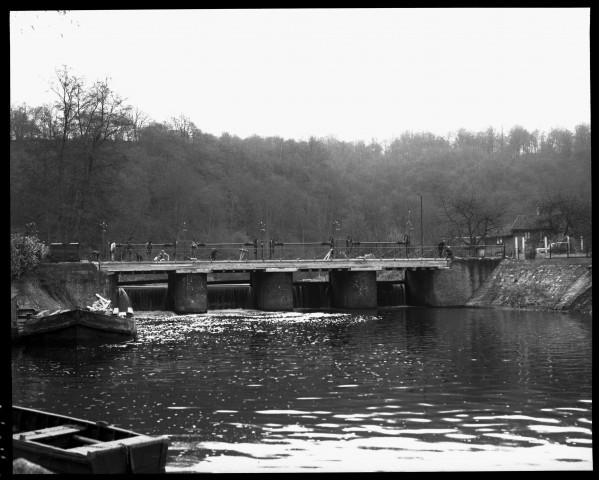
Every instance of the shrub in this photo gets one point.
(25, 253)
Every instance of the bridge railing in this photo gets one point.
(298, 251)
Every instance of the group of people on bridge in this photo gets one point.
(128, 252)
(161, 257)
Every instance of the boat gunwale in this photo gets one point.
(76, 420)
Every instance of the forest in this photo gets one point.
(89, 168)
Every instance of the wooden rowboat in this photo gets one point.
(77, 325)
(64, 444)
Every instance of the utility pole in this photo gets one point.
(184, 225)
(263, 230)
(103, 225)
(421, 229)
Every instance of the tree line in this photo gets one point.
(89, 168)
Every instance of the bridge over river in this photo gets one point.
(352, 280)
(296, 265)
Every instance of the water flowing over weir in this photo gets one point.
(147, 298)
(226, 296)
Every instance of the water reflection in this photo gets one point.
(399, 389)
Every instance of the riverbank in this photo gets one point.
(563, 284)
(40, 290)
(61, 286)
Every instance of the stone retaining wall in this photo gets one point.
(57, 286)
(556, 284)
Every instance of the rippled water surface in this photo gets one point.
(399, 389)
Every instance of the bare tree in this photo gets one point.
(183, 127)
(470, 217)
(138, 120)
(102, 116)
(66, 88)
(566, 213)
(84, 119)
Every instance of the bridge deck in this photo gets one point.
(363, 265)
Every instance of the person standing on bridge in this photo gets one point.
(129, 248)
(112, 250)
(194, 245)
(256, 248)
(441, 247)
(149, 250)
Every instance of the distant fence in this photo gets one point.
(267, 250)
(295, 250)
(560, 250)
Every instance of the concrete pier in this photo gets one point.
(188, 292)
(353, 289)
(110, 288)
(272, 290)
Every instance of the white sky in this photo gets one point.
(355, 74)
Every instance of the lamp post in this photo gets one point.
(184, 230)
(263, 230)
(336, 228)
(103, 225)
(421, 229)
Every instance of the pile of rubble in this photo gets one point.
(100, 305)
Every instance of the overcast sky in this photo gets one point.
(355, 74)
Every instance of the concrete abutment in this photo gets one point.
(451, 287)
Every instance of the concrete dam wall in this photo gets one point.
(554, 284)
(448, 288)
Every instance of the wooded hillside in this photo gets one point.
(90, 158)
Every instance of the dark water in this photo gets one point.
(396, 389)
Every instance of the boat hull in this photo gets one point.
(65, 444)
(78, 325)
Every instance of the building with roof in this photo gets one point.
(530, 231)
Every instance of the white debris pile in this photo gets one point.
(100, 305)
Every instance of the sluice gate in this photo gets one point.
(223, 296)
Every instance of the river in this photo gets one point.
(393, 389)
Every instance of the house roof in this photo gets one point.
(500, 231)
(530, 222)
